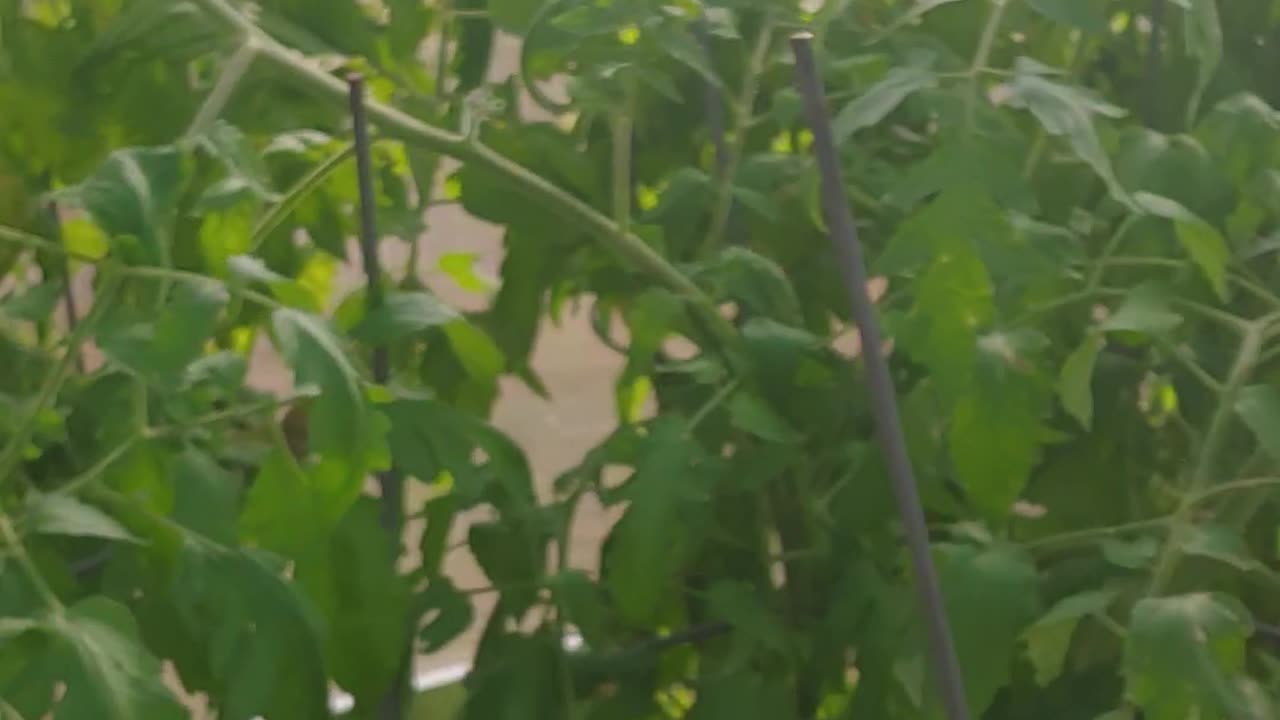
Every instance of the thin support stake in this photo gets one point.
(392, 506)
(844, 237)
(392, 503)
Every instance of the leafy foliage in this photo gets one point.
(1072, 205)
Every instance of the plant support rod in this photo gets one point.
(389, 480)
(844, 237)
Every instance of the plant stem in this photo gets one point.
(1100, 266)
(621, 129)
(296, 194)
(230, 77)
(78, 482)
(1258, 291)
(1089, 535)
(14, 543)
(722, 211)
(47, 395)
(1214, 439)
(981, 57)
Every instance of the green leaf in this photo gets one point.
(746, 695)
(461, 268)
(1206, 246)
(1185, 655)
(992, 595)
(954, 298)
(651, 541)
(512, 560)
(262, 639)
(739, 604)
(1144, 310)
(1259, 407)
(451, 613)
(1202, 31)
(750, 413)
(352, 579)
(478, 353)
(110, 674)
(33, 304)
(403, 314)
(1066, 111)
(995, 436)
(1132, 554)
(513, 16)
(134, 193)
(207, 497)
(58, 514)
(1088, 15)
(1075, 382)
(583, 603)
(1220, 544)
(339, 417)
(881, 99)
(755, 281)
(289, 507)
(1049, 639)
(161, 351)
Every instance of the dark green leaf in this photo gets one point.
(339, 418)
(1144, 310)
(57, 514)
(1220, 544)
(991, 597)
(162, 350)
(750, 413)
(1067, 111)
(1203, 243)
(449, 613)
(881, 99)
(513, 15)
(290, 507)
(1259, 407)
(1088, 15)
(110, 674)
(33, 304)
(1203, 33)
(1184, 657)
(1049, 639)
(403, 314)
(134, 193)
(353, 581)
(1075, 383)
(650, 543)
(1132, 554)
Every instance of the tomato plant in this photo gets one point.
(1070, 207)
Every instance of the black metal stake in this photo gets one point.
(389, 481)
(844, 237)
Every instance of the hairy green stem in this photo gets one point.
(227, 82)
(79, 482)
(621, 145)
(1215, 439)
(48, 392)
(741, 109)
(1090, 535)
(20, 555)
(300, 190)
(980, 58)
